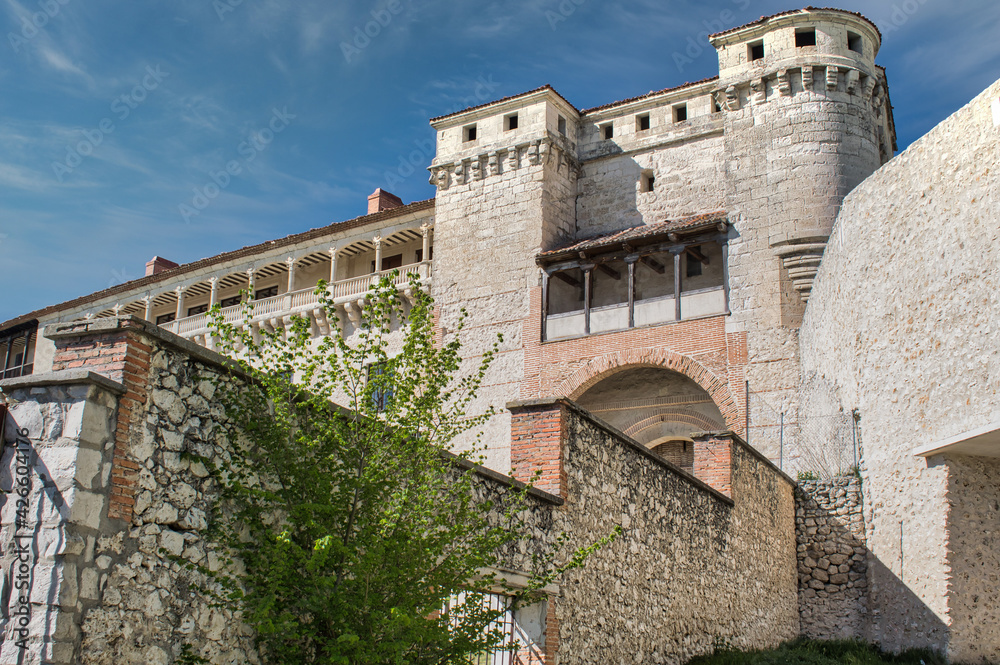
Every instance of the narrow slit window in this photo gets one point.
(855, 43)
(511, 122)
(562, 125)
(642, 122)
(806, 37)
(680, 113)
(470, 133)
(647, 181)
(756, 50)
(608, 131)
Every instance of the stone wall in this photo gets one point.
(693, 567)
(55, 476)
(832, 558)
(916, 245)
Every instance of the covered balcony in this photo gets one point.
(647, 275)
(287, 288)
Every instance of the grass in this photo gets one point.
(813, 652)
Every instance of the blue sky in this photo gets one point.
(113, 115)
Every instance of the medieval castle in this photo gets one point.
(740, 260)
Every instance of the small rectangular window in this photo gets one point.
(165, 318)
(805, 37)
(199, 309)
(693, 268)
(469, 133)
(229, 302)
(756, 50)
(680, 113)
(562, 125)
(510, 122)
(647, 181)
(855, 43)
(608, 131)
(642, 122)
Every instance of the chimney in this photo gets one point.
(380, 200)
(158, 265)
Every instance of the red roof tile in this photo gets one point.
(641, 232)
(504, 99)
(651, 93)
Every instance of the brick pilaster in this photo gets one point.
(537, 431)
(713, 460)
(121, 353)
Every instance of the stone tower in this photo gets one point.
(806, 119)
(506, 189)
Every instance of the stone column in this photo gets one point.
(149, 307)
(250, 272)
(291, 273)
(378, 253)
(425, 231)
(180, 308)
(333, 264)
(214, 294)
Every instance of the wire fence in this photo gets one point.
(825, 445)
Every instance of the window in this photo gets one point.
(269, 292)
(716, 107)
(381, 385)
(391, 262)
(229, 302)
(855, 43)
(693, 268)
(420, 254)
(469, 133)
(199, 309)
(647, 180)
(680, 113)
(562, 125)
(510, 122)
(756, 50)
(608, 131)
(165, 318)
(642, 122)
(805, 37)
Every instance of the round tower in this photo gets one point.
(806, 119)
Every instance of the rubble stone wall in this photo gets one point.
(916, 244)
(832, 558)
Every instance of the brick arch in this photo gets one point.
(689, 416)
(601, 367)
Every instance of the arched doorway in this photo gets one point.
(657, 407)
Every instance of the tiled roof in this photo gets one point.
(641, 232)
(311, 234)
(651, 93)
(764, 19)
(504, 99)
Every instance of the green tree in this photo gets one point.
(361, 538)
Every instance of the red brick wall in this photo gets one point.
(537, 433)
(123, 355)
(701, 349)
(713, 461)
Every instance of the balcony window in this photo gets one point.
(269, 292)
(200, 309)
(166, 318)
(229, 302)
(662, 283)
(17, 347)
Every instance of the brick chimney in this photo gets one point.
(380, 200)
(157, 265)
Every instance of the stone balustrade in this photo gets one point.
(276, 312)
